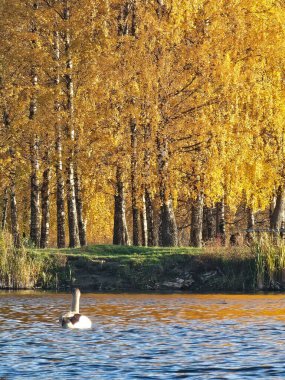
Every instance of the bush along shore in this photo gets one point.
(120, 268)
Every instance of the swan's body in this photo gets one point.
(73, 319)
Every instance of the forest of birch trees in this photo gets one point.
(144, 122)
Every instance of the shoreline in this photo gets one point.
(152, 269)
(102, 268)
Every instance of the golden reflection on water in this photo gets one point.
(164, 308)
(188, 307)
(137, 336)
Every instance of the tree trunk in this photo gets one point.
(205, 224)
(60, 209)
(272, 207)
(161, 8)
(70, 185)
(34, 148)
(250, 224)
(220, 222)
(134, 181)
(209, 224)
(127, 19)
(14, 213)
(79, 208)
(12, 179)
(121, 236)
(45, 195)
(71, 207)
(35, 195)
(277, 214)
(150, 219)
(147, 191)
(282, 230)
(168, 234)
(4, 209)
(144, 224)
(197, 222)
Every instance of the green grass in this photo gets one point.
(110, 251)
(129, 267)
(128, 264)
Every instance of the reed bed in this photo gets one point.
(269, 253)
(18, 268)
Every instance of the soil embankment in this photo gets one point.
(108, 268)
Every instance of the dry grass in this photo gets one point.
(269, 253)
(18, 269)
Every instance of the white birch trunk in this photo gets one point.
(70, 183)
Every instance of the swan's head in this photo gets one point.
(76, 293)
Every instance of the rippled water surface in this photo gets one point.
(146, 336)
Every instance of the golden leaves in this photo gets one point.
(207, 75)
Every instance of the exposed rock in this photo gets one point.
(152, 286)
(187, 283)
(179, 283)
(208, 275)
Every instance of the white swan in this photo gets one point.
(73, 319)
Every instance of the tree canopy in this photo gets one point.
(139, 110)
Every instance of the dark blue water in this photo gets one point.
(143, 337)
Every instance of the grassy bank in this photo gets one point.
(110, 268)
(113, 268)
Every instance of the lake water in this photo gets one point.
(143, 336)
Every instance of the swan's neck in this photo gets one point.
(75, 302)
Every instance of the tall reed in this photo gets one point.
(18, 269)
(269, 253)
